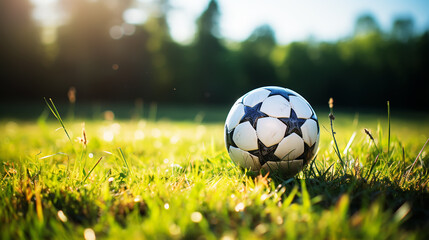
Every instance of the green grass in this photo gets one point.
(143, 179)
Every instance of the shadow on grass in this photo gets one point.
(362, 194)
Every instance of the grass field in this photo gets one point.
(157, 179)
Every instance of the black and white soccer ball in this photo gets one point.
(274, 129)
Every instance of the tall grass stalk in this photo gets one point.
(417, 158)
(57, 115)
(124, 159)
(92, 169)
(331, 119)
(388, 129)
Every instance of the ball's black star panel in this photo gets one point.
(265, 154)
(228, 138)
(293, 123)
(280, 91)
(272, 128)
(252, 114)
(308, 153)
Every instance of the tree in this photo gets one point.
(213, 78)
(365, 25)
(403, 29)
(87, 52)
(255, 57)
(166, 56)
(21, 59)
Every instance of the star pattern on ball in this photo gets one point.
(293, 124)
(265, 154)
(228, 138)
(252, 114)
(269, 131)
(281, 92)
(308, 154)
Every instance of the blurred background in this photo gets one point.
(361, 53)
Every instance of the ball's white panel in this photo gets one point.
(276, 106)
(309, 132)
(256, 96)
(284, 168)
(290, 147)
(300, 107)
(244, 159)
(245, 137)
(270, 130)
(316, 144)
(234, 116)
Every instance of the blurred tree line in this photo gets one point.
(362, 70)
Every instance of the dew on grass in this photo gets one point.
(156, 133)
(138, 199)
(141, 124)
(174, 139)
(108, 136)
(90, 155)
(174, 229)
(167, 206)
(116, 127)
(196, 217)
(228, 236)
(139, 135)
(279, 220)
(261, 229)
(157, 144)
(239, 207)
(62, 216)
(89, 234)
(175, 165)
(264, 197)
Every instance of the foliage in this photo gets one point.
(149, 65)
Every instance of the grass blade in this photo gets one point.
(92, 169)
(372, 166)
(331, 119)
(349, 144)
(418, 156)
(124, 159)
(57, 116)
(388, 128)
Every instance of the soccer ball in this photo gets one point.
(274, 129)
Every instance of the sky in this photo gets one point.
(292, 20)
(295, 20)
